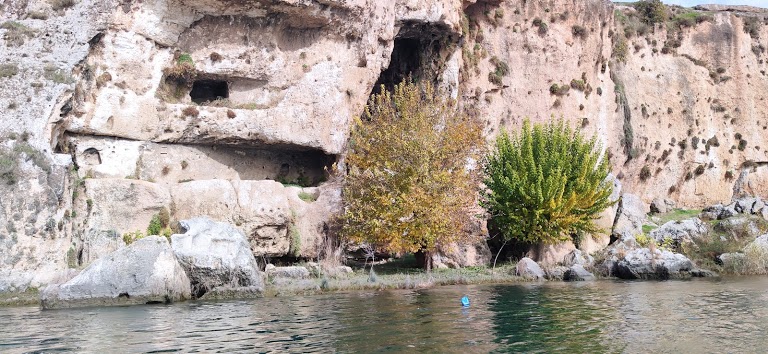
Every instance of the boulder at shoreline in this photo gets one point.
(144, 272)
(216, 254)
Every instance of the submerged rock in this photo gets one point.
(144, 272)
(527, 268)
(215, 254)
(703, 273)
(578, 273)
(239, 292)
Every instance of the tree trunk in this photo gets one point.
(425, 259)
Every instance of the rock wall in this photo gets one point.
(699, 113)
(116, 111)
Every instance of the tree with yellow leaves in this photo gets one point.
(411, 171)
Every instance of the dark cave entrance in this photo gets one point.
(419, 53)
(209, 90)
(506, 251)
(405, 62)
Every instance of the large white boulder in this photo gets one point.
(144, 272)
(645, 263)
(680, 231)
(630, 217)
(215, 254)
(527, 268)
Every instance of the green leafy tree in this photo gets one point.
(652, 11)
(545, 183)
(408, 183)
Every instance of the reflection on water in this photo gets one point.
(729, 315)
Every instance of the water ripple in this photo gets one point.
(726, 315)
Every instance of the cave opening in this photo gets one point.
(92, 157)
(198, 290)
(405, 62)
(302, 168)
(418, 52)
(204, 91)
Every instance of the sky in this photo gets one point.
(689, 3)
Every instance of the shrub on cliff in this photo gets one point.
(651, 11)
(579, 32)
(183, 72)
(752, 26)
(545, 183)
(410, 171)
(160, 224)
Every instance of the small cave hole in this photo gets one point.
(91, 157)
(59, 148)
(198, 290)
(204, 91)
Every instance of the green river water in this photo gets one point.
(728, 315)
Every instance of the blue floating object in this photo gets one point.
(465, 301)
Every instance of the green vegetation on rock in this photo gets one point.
(546, 183)
(131, 237)
(307, 197)
(651, 11)
(16, 33)
(160, 224)
(8, 70)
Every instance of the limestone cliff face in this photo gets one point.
(655, 111)
(704, 107)
(116, 111)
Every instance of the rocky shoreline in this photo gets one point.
(119, 113)
(213, 261)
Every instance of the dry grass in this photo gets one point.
(706, 250)
(24, 298)
(183, 73)
(37, 15)
(8, 70)
(362, 280)
(16, 33)
(753, 262)
(57, 5)
(59, 76)
(103, 79)
(190, 111)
